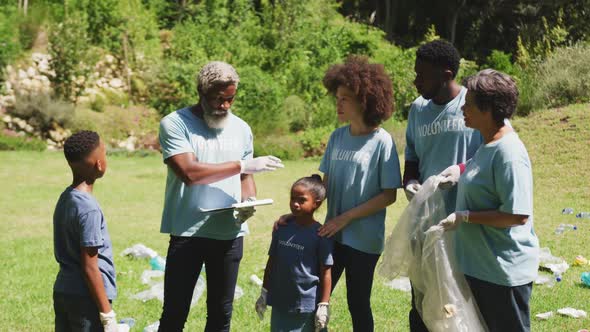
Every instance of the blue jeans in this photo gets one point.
(75, 314)
(359, 268)
(185, 257)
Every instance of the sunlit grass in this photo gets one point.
(131, 195)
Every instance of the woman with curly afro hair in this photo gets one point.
(362, 173)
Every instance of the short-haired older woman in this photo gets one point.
(496, 245)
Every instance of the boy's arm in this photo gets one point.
(93, 278)
(325, 283)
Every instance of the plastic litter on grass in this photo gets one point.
(139, 251)
(401, 283)
(571, 312)
(545, 315)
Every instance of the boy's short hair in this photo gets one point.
(440, 53)
(80, 145)
(369, 82)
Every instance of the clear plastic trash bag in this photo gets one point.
(421, 250)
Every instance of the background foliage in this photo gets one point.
(282, 49)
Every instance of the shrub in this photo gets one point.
(466, 68)
(9, 143)
(279, 51)
(69, 59)
(552, 83)
(114, 97)
(117, 123)
(500, 61)
(104, 24)
(315, 140)
(297, 113)
(41, 111)
(99, 103)
(528, 86)
(30, 25)
(565, 84)
(140, 34)
(173, 86)
(9, 45)
(259, 101)
(285, 147)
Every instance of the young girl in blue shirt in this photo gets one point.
(297, 280)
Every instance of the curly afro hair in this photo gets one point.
(440, 53)
(369, 82)
(80, 145)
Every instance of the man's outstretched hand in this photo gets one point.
(260, 164)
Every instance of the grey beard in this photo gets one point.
(214, 121)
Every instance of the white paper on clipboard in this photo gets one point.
(257, 202)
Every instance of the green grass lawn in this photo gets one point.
(131, 195)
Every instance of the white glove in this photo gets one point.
(260, 164)
(450, 177)
(244, 213)
(261, 303)
(412, 188)
(322, 316)
(109, 321)
(454, 220)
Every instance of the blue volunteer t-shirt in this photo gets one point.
(297, 252)
(78, 222)
(358, 169)
(436, 138)
(498, 177)
(184, 132)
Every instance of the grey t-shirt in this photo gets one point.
(297, 252)
(78, 222)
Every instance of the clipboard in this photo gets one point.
(258, 202)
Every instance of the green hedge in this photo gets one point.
(9, 143)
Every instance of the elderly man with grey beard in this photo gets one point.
(209, 155)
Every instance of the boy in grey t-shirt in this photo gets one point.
(85, 284)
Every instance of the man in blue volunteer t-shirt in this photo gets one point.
(209, 155)
(436, 135)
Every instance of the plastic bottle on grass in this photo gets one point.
(158, 263)
(567, 210)
(583, 215)
(565, 227)
(586, 278)
(555, 279)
